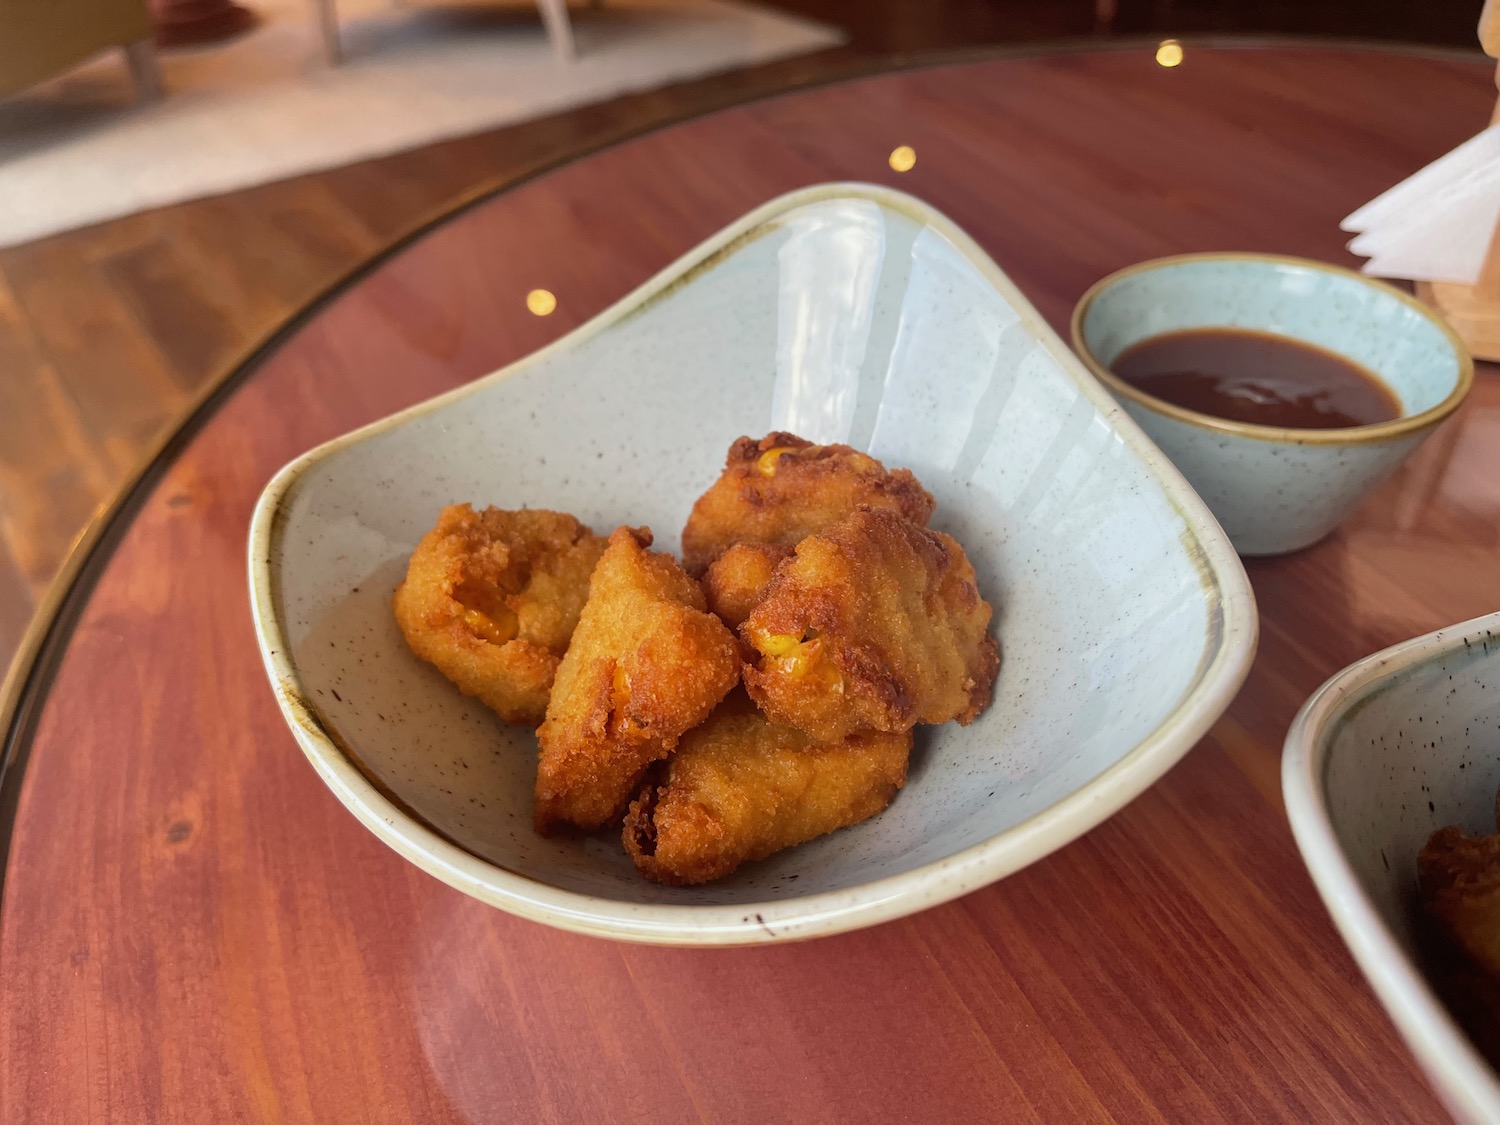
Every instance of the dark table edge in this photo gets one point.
(23, 693)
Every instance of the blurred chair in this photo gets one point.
(41, 38)
(554, 18)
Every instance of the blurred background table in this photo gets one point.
(192, 929)
(188, 23)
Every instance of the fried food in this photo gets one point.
(648, 662)
(740, 787)
(781, 488)
(737, 580)
(1459, 878)
(491, 599)
(876, 624)
(848, 620)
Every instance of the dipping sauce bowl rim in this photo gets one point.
(1343, 435)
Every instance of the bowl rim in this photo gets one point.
(1461, 1075)
(1231, 649)
(1341, 436)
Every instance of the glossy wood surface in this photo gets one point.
(192, 929)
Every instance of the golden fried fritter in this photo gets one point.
(740, 787)
(737, 580)
(876, 624)
(782, 488)
(491, 599)
(647, 663)
(1460, 881)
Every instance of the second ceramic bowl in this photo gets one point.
(1384, 754)
(1274, 489)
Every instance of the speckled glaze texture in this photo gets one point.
(1273, 497)
(1384, 754)
(1278, 490)
(844, 313)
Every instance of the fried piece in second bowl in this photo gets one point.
(876, 624)
(647, 663)
(738, 579)
(782, 488)
(1460, 883)
(491, 598)
(740, 788)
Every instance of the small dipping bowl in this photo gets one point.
(1275, 489)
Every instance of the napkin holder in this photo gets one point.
(1440, 228)
(1473, 311)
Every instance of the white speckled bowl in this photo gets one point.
(845, 313)
(1274, 489)
(1384, 754)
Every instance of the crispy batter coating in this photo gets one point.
(491, 599)
(1460, 881)
(647, 663)
(781, 488)
(737, 580)
(876, 624)
(740, 787)
(1459, 878)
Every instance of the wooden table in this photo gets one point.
(188, 23)
(193, 930)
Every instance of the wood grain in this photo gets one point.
(53, 472)
(194, 930)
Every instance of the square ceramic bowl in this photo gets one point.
(843, 313)
(1388, 751)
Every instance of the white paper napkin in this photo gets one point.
(1436, 224)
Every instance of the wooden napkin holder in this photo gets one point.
(1474, 310)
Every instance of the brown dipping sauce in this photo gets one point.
(1256, 377)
